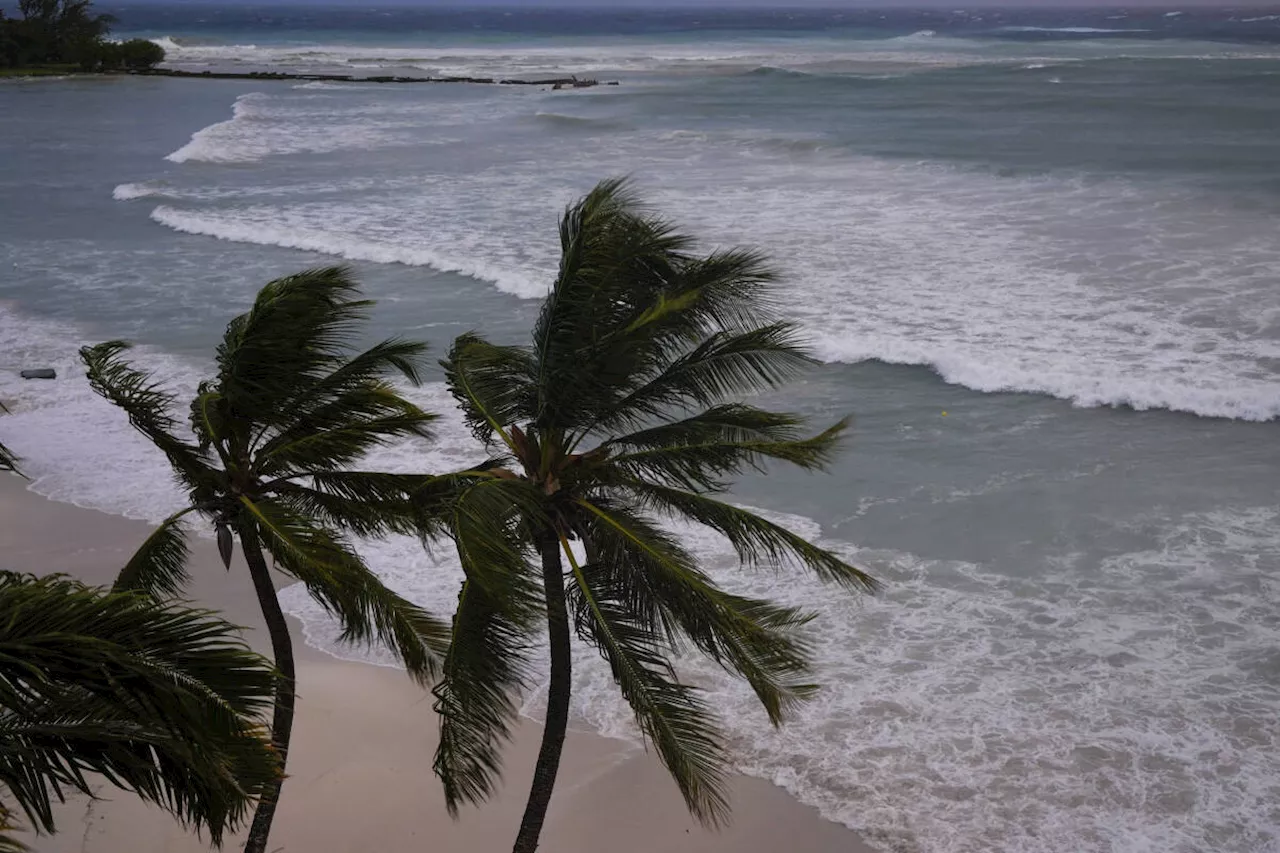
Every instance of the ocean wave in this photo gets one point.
(246, 227)
(919, 35)
(973, 695)
(128, 192)
(1072, 30)
(255, 132)
(573, 122)
(1085, 385)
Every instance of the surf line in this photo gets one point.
(572, 82)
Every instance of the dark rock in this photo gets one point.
(39, 373)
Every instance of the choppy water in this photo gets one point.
(1060, 229)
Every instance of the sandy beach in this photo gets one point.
(360, 766)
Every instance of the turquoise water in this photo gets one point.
(1065, 241)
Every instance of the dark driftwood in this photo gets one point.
(557, 82)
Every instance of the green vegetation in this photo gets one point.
(158, 699)
(65, 35)
(276, 430)
(625, 410)
(628, 408)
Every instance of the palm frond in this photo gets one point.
(357, 389)
(617, 260)
(299, 329)
(340, 433)
(8, 462)
(149, 407)
(645, 571)
(487, 519)
(731, 422)
(366, 503)
(157, 698)
(491, 384)
(476, 697)
(735, 289)
(9, 844)
(723, 365)
(159, 566)
(340, 581)
(702, 466)
(380, 362)
(756, 540)
(670, 714)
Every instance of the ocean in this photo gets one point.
(1038, 254)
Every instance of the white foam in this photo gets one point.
(1075, 30)
(128, 192)
(1064, 712)
(644, 57)
(276, 227)
(1101, 293)
(1092, 708)
(256, 131)
(76, 447)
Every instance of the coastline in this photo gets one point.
(572, 82)
(360, 768)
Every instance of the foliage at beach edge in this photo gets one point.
(66, 35)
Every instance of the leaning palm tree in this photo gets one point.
(626, 408)
(290, 408)
(160, 699)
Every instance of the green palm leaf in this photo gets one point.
(724, 364)
(292, 408)
(757, 540)
(159, 699)
(476, 697)
(344, 430)
(661, 584)
(339, 580)
(628, 405)
(300, 329)
(159, 567)
(490, 383)
(679, 725)
(702, 465)
(148, 406)
(8, 460)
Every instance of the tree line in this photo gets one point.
(629, 405)
(68, 33)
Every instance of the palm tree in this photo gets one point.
(625, 408)
(290, 408)
(159, 699)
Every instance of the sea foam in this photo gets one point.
(1086, 707)
(264, 228)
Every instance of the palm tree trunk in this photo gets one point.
(282, 718)
(553, 731)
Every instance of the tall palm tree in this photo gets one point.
(290, 408)
(626, 407)
(160, 699)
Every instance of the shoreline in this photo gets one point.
(360, 768)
